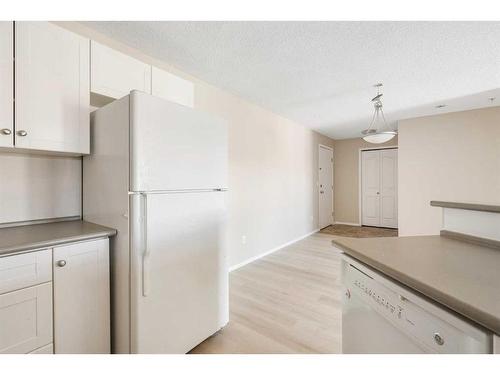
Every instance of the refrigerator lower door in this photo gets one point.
(179, 285)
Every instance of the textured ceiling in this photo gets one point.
(320, 74)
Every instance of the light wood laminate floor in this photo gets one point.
(286, 302)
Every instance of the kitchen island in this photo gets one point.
(461, 275)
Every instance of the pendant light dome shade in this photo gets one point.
(381, 137)
(378, 131)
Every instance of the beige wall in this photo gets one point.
(273, 166)
(273, 169)
(346, 179)
(450, 157)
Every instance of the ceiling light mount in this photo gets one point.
(378, 131)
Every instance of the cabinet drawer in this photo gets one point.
(26, 319)
(24, 270)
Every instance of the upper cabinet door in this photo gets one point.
(6, 84)
(52, 88)
(170, 87)
(115, 74)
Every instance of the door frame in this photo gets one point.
(360, 177)
(333, 179)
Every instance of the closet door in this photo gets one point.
(389, 188)
(379, 188)
(370, 187)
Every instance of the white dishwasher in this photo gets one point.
(382, 316)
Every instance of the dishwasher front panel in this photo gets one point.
(365, 331)
(382, 316)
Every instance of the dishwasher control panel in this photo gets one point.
(378, 297)
(385, 301)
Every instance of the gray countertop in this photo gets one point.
(463, 276)
(37, 236)
(467, 206)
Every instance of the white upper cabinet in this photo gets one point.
(6, 84)
(171, 87)
(115, 74)
(52, 77)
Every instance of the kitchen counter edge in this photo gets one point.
(27, 238)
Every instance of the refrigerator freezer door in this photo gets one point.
(173, 147)
(178, 270)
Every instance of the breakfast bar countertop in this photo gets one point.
(462, 275)
(38, 236)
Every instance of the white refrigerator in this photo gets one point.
(157, 173)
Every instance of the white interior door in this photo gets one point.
(325, 186)
(370, 187)
(389, 188)
(379, 188)
(179, 273)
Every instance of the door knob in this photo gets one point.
(378, 192)
(22, 133)
(6, 131)
(61, 263)
(321, 192)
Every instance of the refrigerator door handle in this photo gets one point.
(145, 252)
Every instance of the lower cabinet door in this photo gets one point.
(82, 298)
(26, 319)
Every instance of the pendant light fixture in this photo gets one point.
(378, 131)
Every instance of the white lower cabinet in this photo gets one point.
(26, 319)
(82, 298)
(56, 300)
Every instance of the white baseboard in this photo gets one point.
(347, 223)
(252, 259)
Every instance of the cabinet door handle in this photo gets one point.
(22, 133)
(61, 263)
(6, 131)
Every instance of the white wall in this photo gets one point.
(273, 165)
(449, 157)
